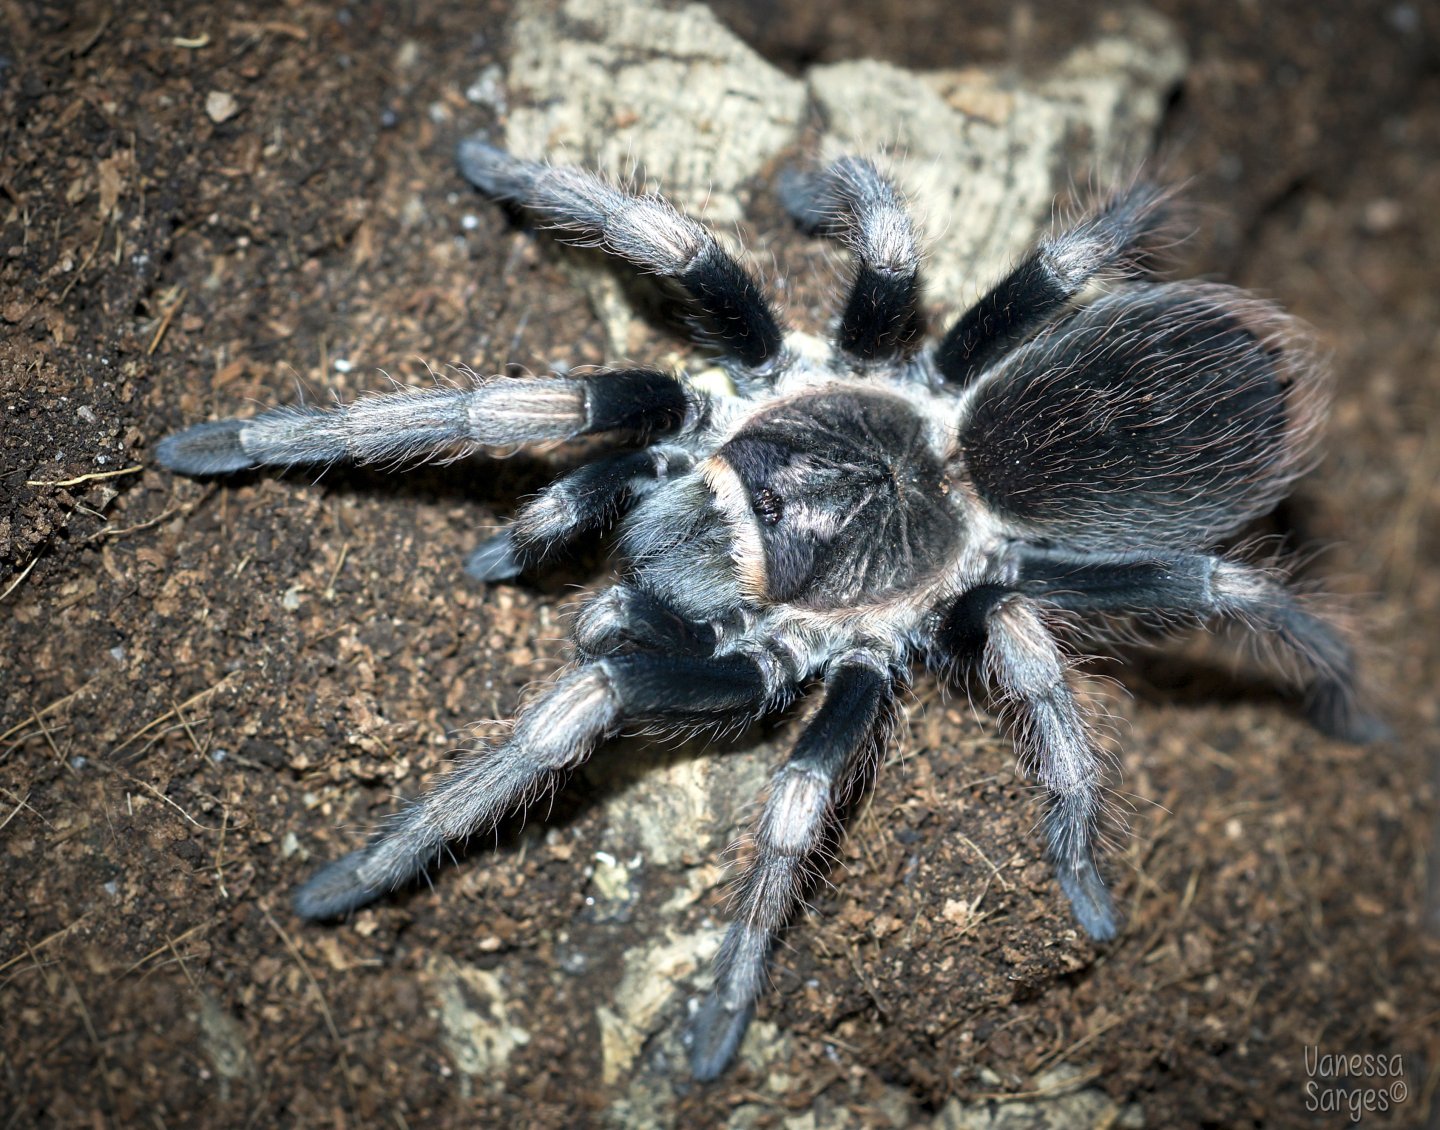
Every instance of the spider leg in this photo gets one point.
(1115, 240)
(586, 500)
(626, 618)
(555, 734)
(415, 424)
(855, 202)
(1205, 585)
(1023, 661)
(804, 794)
(645, 231)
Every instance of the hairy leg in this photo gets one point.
(645, 231)
(624, 618)
(1116, 240)
(804, 794)
(855, 202)
(1312, 651)
(555, 734)
(584, 501)
(415, 424)
(1057, 746)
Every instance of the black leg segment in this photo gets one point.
(624, 618)
(413, 425)
(730, 311)
(1117, 240)
(1121, 582)
(1310, 649)
(585, 501)
(645, 231)
(853, 201)
(1057, 746)
(787, 843)
(554, 735)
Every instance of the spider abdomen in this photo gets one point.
(1158, 415)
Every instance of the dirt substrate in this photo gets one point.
(204, 689)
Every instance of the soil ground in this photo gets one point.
(203, 688)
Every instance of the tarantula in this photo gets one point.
(844, 510)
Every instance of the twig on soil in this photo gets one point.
(14, 810)
(89, 258)
(93, 477)
(41, 713)
(60, 758)
(36, 715)
(1067, 1086)
(165, 320)
(220, 855)
(145, 729)
(15, 584)
(107, 532)
(156, 737)
(335, 573)
(968, 842)
(21, 802)
(189, 732)
(185, 969)
(170, 944)
(1192, 885)
(29, 950)
(158, 795)
(1066, 1052)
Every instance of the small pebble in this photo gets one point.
(221, 107)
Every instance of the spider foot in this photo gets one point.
(206, 449)
(494, 559)
(1333, 710)
(488, 167)
(339, 888)
(714, 1036)
(1090, 901)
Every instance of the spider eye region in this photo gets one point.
(769, 506)
(833, 497)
